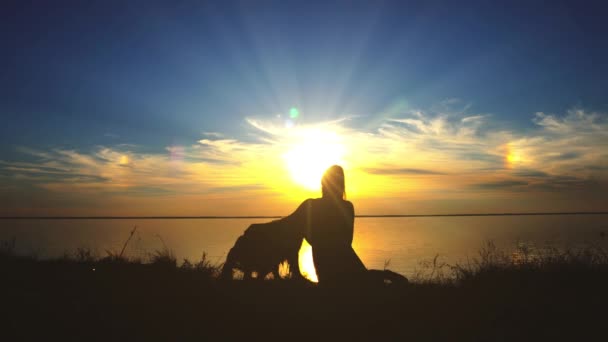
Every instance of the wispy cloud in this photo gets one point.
(412, 154)
(505, 184)
(527, 173)
(401, 171)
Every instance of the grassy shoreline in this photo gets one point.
(497, 296)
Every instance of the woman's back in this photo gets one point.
(330, 223)
(327, 224)
(329, 231)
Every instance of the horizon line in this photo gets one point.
(276, 216)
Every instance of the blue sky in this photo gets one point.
(143, 76)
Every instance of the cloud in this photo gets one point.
(213, 134)
(398, 157)
(568, 184)
(474, 118)
(575, 120)
(530, 173)
(505, 184)
(401, 171)
(563, 144)
(110, 170)
(490, 158)
(565, 156)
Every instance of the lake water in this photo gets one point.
(405, 241)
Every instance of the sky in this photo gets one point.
(235, 108)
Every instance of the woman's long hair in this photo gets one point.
(332, 183)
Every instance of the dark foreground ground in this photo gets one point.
(496, 298)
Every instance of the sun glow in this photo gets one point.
(312, 152)
(513, 156)
(124, 160)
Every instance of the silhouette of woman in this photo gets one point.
(327, 224)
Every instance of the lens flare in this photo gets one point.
(513, 156)
(294, 113)
(124, 160)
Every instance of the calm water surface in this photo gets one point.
(404, 241)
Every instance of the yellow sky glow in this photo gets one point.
(311, 153)
(402, 166)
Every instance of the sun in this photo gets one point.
(311, 153)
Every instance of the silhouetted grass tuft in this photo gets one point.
(526, 294)
(493, 262)
(500, 268)
(163, 258)
(204, 266)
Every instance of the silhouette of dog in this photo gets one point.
(262, 248)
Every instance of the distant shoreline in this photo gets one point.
(274, 217)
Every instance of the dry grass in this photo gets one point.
(521, 295)
(492, 262)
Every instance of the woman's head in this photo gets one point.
(332, 183)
